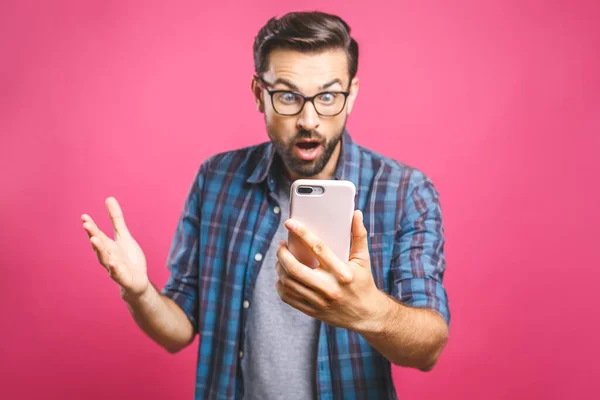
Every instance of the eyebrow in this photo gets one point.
(294, 87)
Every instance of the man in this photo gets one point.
(270, 327)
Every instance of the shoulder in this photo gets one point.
(229, 169)
(233, 166)
(391, 172)
(235, 160)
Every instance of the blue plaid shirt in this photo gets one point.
(228, 221)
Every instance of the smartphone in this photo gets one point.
(325, 207)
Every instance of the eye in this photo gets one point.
(287, 97)
(327, 98)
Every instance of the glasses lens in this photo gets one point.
(287, 103)
(330, 103)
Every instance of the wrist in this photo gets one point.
(132, 297)
(382, 309)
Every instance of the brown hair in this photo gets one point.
(305, 32)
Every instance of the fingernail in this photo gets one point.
(291, 224)
(281, 242)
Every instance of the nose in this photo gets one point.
(309, 119)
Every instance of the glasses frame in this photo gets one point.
(265, 85)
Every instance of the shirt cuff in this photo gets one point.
(186, 302)
(424, 293)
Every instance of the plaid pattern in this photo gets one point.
(227, 223)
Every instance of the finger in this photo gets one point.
(88, 228)
(295, 301)
(101, 250)
(319, 279)
(116, 216)
(116, 270)
(324, 254)
(296, 269)
(299, 289)
(105, 250)
(100, 242)
(92, 229)
(108, 259)
(359, 253)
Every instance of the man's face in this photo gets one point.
(308, 143)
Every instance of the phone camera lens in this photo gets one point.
(305, 190)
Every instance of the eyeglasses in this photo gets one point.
(290, 103)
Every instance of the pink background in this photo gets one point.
(498, 101)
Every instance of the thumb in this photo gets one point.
(116, 216)
(360, 245)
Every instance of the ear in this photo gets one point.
(353, 93)
(257, 91)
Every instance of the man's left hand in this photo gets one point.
(337, 293)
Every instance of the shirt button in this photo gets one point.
(258, 256)
(246, 304)
(241, 354)
(276, 210)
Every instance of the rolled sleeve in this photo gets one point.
(418, 262)
(182, 262)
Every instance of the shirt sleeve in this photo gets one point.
(418, 262)
(182, 261)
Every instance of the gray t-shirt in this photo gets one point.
(280, 347)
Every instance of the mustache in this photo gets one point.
(311, 135)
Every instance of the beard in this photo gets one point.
(305, 168)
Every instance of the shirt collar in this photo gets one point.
(266, 160)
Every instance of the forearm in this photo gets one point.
(407, 336)
(161, 319)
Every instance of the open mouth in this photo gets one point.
(308, 145)
(308, 150)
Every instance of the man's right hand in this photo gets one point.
(122, 257)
